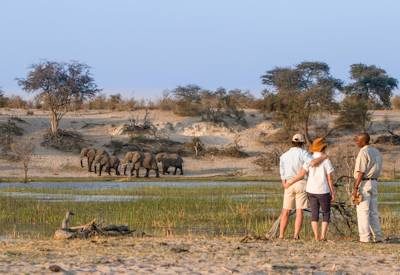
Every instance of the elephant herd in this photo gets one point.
(99, 159)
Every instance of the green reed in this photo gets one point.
(224, 210)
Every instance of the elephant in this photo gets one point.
(149, 162)
(88, 153)
(135, 158)
(168, 160)
(109, 162)
(98, 159)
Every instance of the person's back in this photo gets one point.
(292, 161)
(317, 181)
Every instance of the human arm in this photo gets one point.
(359, 171)
(331, 187)
(284, 183)
(316, 162)
(300, 175)
(357, 183)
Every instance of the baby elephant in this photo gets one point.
(108, 162)
(168, 160)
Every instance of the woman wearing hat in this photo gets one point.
(319, 188)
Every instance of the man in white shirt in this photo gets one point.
(295, 197)
(366, 173)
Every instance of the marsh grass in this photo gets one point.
(227, 210)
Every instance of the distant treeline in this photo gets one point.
(293, 96)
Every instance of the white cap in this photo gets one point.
(298, 138)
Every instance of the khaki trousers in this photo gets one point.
(369, 227)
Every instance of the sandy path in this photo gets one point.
(197, 255)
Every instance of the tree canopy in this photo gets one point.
(371, 83)
(295, 95)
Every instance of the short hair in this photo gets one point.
(365, 136)
(297, 144)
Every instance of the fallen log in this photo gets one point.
(89, 230)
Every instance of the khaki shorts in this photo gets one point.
(295, 197)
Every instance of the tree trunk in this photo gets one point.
(306, 130)
(26, 173)
(54, 123)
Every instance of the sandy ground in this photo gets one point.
(103, 126)
(198, 255)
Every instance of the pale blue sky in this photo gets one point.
(150, 45)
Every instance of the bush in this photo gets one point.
(229, 151)
(8, 131)
(16, 102)
(113, 102)
(3, 99)
(396, 102)
(353, 114)
(66, 141)
(195, 146)
(270, 159)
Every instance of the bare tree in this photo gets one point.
(23, 151)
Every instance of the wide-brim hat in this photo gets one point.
(318, 145)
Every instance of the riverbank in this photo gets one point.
(143, 179)
(198, 255)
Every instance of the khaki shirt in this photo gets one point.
(369, 162)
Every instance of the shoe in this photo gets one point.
(296, 238)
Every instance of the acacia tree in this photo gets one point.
(296, 95)
(187, 100)
(58, 86)
(371, 87)
(371, 83)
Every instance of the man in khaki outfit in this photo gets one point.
(366, 173)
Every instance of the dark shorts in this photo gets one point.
(317, 202)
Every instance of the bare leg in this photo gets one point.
(314, 226)
(298, 223)
(324, 230)
(284, 222)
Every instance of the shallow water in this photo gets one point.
(121, 185)
(69, 197)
